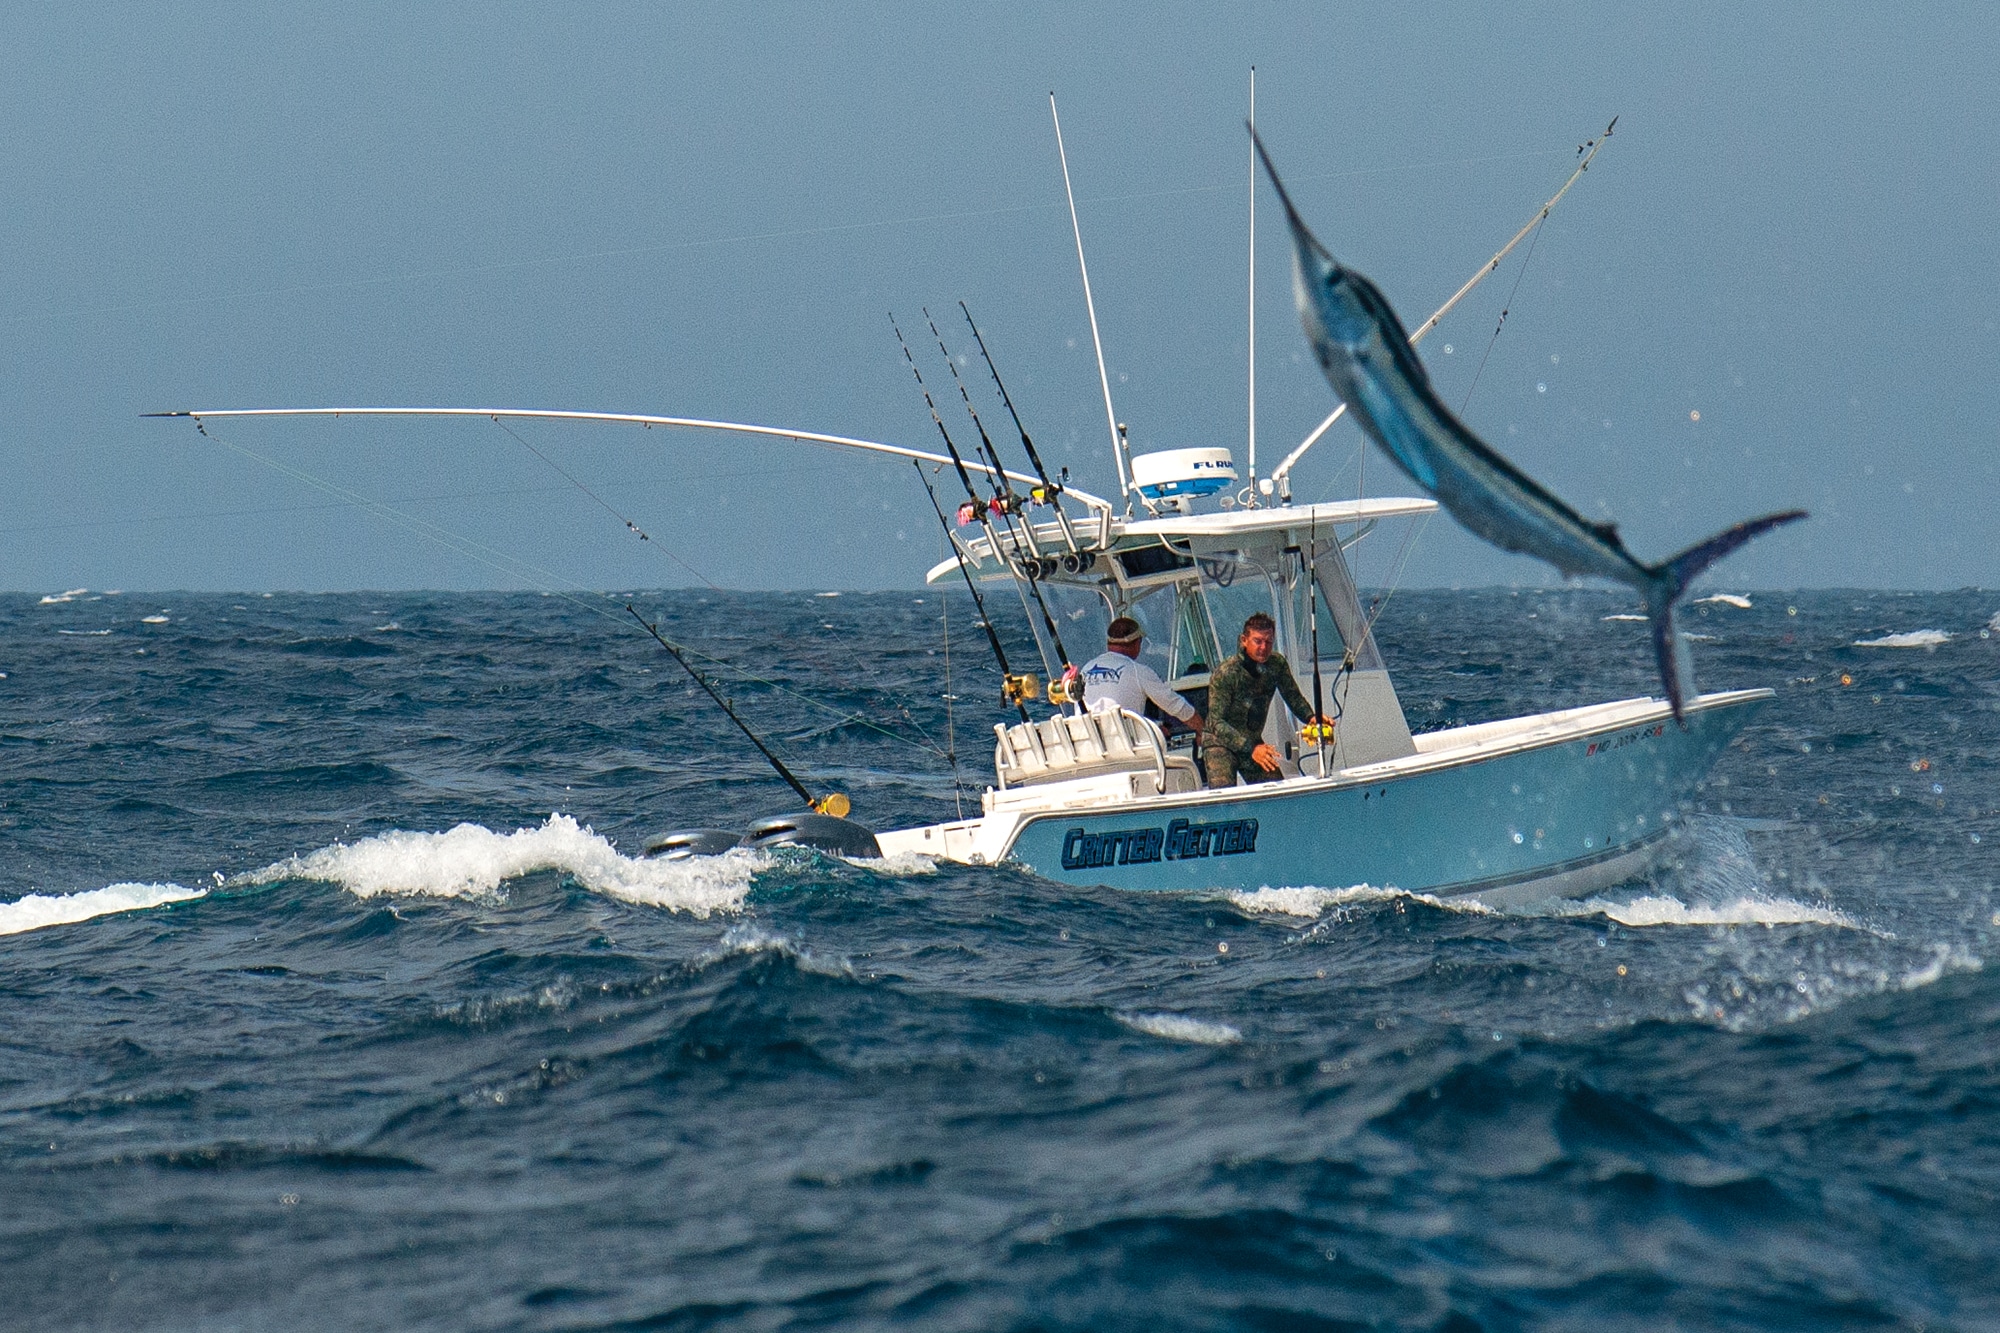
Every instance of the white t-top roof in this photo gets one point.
(1232, 522)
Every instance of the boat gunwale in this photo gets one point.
(1539, 731)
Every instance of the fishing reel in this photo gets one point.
(1067, 688)
(1023, 688)
(1037, 568)
(1318, 733)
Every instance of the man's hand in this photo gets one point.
(1265, 758)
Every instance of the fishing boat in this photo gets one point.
(1551, 804)
(1559, 803)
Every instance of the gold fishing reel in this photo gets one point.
(833, 803)
(1021, 689)
(1067, 688)
(1317, 733)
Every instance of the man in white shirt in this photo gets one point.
(1118, 679)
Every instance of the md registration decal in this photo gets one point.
(1178, 841)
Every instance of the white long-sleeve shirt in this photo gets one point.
(1113, 678)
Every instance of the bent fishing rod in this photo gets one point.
(833, 803)
(1051, 490)
(1007, 689)
(974, 507)
(1008, 502)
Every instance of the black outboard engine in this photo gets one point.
(821, 833)
(683, 843)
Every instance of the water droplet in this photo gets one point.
(1540, 387)
(1447, 349)
(1694, 416)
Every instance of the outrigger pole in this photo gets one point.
(1118, 445)
(833, 803)
(1008, 503)
(979, 603)
(1051, 491)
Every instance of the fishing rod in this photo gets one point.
(1008, 503)
(1051, 491)
(1316, 731)
(1008, 691)
(975, 508)
(833, 803)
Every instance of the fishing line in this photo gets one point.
(1519, 274)
(513, 568)
(668, 247)
(641, 532)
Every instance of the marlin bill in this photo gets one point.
(1366, 354)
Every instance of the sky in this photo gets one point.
(710, 211)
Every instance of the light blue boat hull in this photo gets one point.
(1566, 816)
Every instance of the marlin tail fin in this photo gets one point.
(1668, 580)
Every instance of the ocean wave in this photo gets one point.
(36, 910)
(1666, 910)
(1737, 600)
(471, 860)
(1309, 901)
(1179, 1027)
(1916, 638)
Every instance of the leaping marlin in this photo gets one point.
(1367, 357)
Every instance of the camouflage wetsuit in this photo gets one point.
(1239, 699)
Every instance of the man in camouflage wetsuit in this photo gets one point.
(1239, 699)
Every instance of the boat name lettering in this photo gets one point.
(1616, 742)
(1180, 840)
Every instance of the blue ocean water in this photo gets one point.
(336, 997)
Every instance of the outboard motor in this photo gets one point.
(821, 833)
(683, 843)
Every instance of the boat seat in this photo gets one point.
(1078, 745)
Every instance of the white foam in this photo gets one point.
(1306, 902)
(57, 597)
(1666, 910)
(1179, 1027)
(1944, 958)
(1622, 616)
(1737, 600)
(37, 910)
(153, 620)
(1916, 638)
(85, 633)
(900, 864)
(470, 860)
(1994, 623)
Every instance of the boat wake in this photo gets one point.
(472, 861)
(1653, 909)
(1314, 903)
(35, 911)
